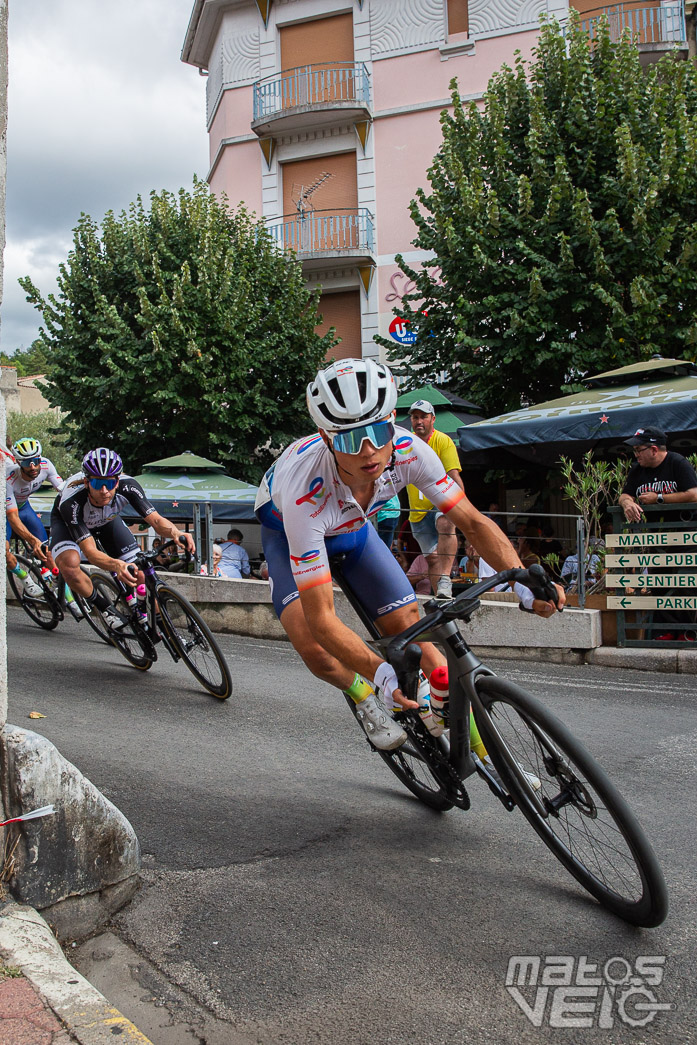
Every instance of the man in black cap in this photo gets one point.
(659, 476)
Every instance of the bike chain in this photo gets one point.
(457, 793)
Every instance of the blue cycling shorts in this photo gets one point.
(32, 522)
(371, 570)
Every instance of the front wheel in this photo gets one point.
(194, 642)
(42, 608)
(414, 764)
(576, 810)
(131, 642)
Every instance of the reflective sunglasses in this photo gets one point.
(98, 484)
(350, 442)
(33, 461)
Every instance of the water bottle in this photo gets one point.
(423, 698)
(141, 599)
(439, 694)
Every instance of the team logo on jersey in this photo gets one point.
(306, 557)
(446, 479)
(306, 443)
(403, 445)
(315, 492)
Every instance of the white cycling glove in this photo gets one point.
(386, 681)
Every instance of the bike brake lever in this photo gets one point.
(541, 586)
(406, 663)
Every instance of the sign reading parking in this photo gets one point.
(667, 602)
(400, 330)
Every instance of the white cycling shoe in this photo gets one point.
(381, 730)
(33, 590)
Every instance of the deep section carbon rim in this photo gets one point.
(45, 610)
(195, 643)
(577, 811)
(411, 764)
(127, 641)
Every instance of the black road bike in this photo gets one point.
(48, 609)
(541, 768)
(170, 619)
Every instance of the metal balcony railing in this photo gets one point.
(664, 24)
(320, 232)
(312, 85)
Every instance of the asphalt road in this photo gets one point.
(293, 892)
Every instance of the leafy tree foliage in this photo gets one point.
(181, 328)
(52, 432)
(562, 221)
(28, 361)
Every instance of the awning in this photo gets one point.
(660, 392)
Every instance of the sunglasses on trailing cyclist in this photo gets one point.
(33, 461)
(351, 442)
(107, 484)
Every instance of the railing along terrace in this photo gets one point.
(662, 24)
(321, 231)
(311, 85)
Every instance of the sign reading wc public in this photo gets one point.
(673, 551)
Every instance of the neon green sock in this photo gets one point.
(359, 689)
(476, 742)
(69, 597)
(20, 572)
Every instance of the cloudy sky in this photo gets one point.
(101, 109)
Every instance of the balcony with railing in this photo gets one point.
(311, 96)
(655, 30)
(318, 236)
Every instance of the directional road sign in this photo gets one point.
(653, 539)
(667, 602)
(625, 561)
(651, 580)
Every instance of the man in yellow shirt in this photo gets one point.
(434, 533)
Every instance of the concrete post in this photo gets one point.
(3, 172)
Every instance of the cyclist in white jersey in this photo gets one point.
(316, 500)
(24, 476)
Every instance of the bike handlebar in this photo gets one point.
(534, 578)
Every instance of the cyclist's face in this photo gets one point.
(101, 496)
(365, 466)
(30, 470)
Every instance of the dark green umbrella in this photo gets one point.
(452, 412)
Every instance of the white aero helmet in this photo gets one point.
(351, 392)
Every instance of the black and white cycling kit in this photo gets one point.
(74, 518)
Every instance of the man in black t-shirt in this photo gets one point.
(659, 476)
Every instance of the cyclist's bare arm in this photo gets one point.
(494, 547)
(164, 528)
(20, 529)
(123, 570)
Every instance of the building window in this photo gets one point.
(457, 15)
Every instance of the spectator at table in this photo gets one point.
(235, 560)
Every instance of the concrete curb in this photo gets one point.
(27, 942)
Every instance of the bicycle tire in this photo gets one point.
(411, 764)
(577, 811)
(194, 642)
(94, 617)
(128, 642)
(45, 611)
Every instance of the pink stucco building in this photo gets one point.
(323, 117)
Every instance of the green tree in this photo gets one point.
(182, 327)
(562, 221)
(52, 432)
(28, 361)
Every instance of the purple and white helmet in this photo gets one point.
(102, 463)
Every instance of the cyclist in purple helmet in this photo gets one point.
(88, 510)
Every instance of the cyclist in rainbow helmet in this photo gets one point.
(87, 511)
(24, 476)
(318, 499)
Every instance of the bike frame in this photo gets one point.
(439, 626)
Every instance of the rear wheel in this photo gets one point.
(414, 763)
(577, 811)
(43, 609)
(194, 642)
(131, 642)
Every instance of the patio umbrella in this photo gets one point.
(451, 411)
(659, 392)
(174, 484)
